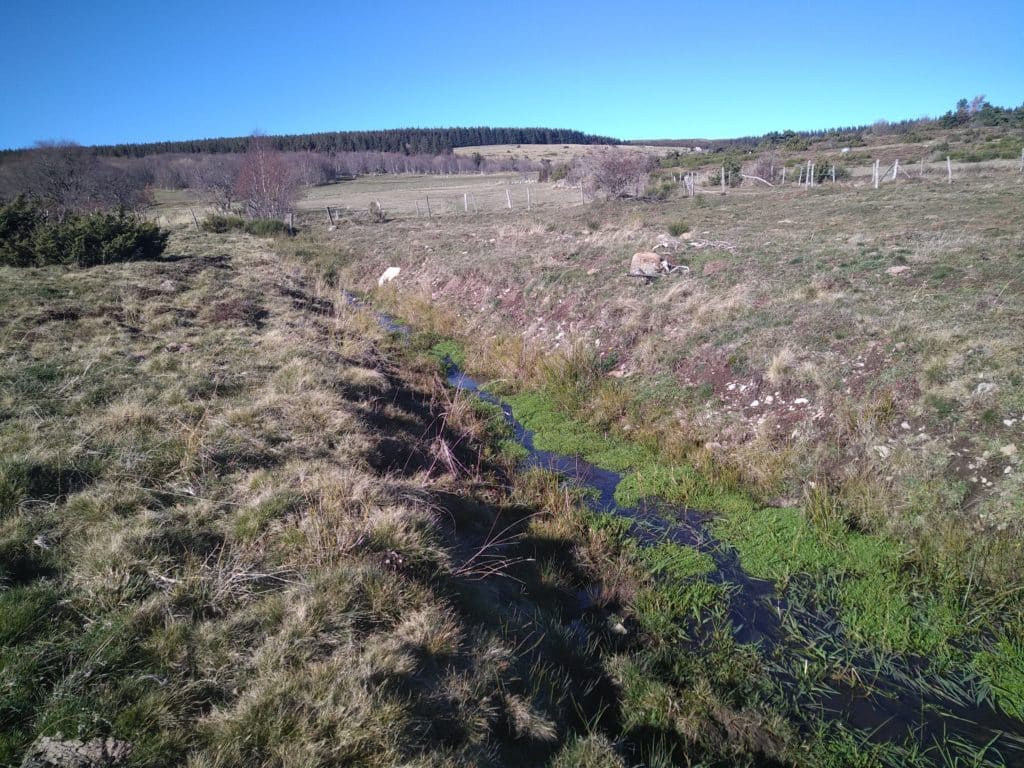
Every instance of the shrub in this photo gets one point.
(677, 228)
(733, 172)
(266, 227)
(823, 171)
(216, 222)
(30, 237)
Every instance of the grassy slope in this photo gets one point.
(875, 420)
(233, 534)
(873, 377)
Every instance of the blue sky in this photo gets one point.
(104, 72)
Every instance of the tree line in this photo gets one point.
(406, 141)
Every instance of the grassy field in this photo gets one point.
(407, 196)
(849, 352)
(241, 524)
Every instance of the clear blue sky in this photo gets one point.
(106, 72)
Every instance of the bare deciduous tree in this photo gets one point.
(265, 182)
(215, 177)
(616, 172)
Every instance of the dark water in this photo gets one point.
(896, 701)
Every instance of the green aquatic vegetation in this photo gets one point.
(675, 561)
(1003, 667)
(448, 350)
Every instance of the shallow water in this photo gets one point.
(890, 708)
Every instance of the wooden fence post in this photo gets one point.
(508, 198)
(783, 176)
(895, 169)
(583, 199)
(833, 173)
(529, 203)
(949, 171)
(465, 202)
(429, 214)
(194, 219)
(723, 179)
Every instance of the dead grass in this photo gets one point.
(800, 303)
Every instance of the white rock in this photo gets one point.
(904, 425)
(1008, 450)
(1009, 422)
(985, 388)
(881, 450)
(769, 400)
(1008, 470)
(755, 404)
(388, 275)
(801, 401)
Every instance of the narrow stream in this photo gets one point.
(893, 709)
(893, 703)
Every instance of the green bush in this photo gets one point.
(220, 224)
(265, 227)
(823, 171)
(29, 237)
(733, 172)
(677, 228)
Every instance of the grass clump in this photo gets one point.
(1003, 667)
(221, 224)
(677, 228)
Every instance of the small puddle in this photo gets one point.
(897, 704)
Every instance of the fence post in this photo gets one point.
(529, 203)
(1022, 160)
(895, 169)
(723, 179)
(583, 199)
(508, 198)
(429, 214)
(465, 202)
(833, 173)
(949, 171)
(194, 219)
(783, 176)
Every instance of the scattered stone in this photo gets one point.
(1009, 422)
(49, 752)
(755, 404)
(985, 388)
(881, 450)
(1008, 470)
(801, 401)
(898, 270)
(769, 400)
(904, 425)
(1008, 450)
(168, 286)
(619, 629)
